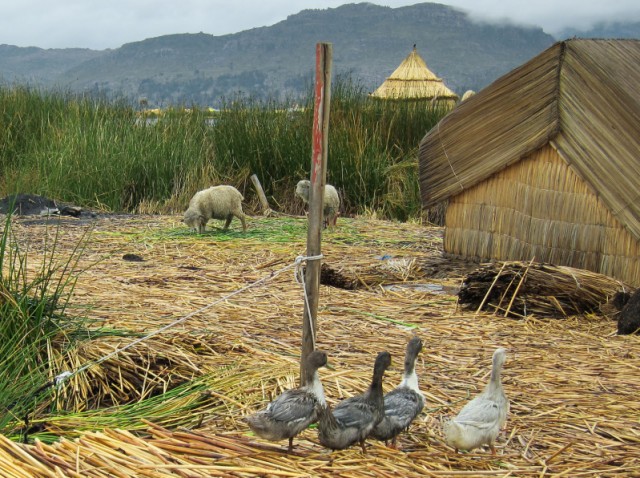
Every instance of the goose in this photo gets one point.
(479, 422)
(402, 404)
(352, 419)
(294, 410)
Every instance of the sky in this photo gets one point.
(100, 24)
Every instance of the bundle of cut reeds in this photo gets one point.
(522, 289)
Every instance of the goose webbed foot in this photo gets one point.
(363, 446)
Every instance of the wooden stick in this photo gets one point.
(524, 275)
(266, 210)
(316, 195)
(489, 290)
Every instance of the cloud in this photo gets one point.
(110, 24)
(552, 15)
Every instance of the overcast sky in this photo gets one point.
(102, 24)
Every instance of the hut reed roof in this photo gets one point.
(413, 80)
(582, 97)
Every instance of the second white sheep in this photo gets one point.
(331, 200)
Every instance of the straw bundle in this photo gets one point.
(573, 385)
(520, 289)
(154, 366)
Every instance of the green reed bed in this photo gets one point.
(267, 139)
(180, 406)
(32, 307)
(93, 152)
(105, 154)
(38, 324)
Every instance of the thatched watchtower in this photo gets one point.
(412, 80)
(545, 162)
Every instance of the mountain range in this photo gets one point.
(277, 62)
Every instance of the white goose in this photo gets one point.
(479, 422)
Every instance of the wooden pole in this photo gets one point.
(320, 140)
(266, 210)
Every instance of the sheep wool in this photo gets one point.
(216, 202)
(331, 200)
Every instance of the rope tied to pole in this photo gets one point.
(299, 276)
(62, 377)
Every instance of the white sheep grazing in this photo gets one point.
(216, 202)
(331, 201)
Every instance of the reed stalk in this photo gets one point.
(106, 154)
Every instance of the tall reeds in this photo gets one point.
(33, 303)
(105, 154)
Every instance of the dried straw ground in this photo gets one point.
(573, 384)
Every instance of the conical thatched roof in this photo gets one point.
(413, 80)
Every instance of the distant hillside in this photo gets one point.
(36, 65)
(605, 30)
(369, 42)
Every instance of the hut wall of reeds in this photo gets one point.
(413, 80)
(544, 162)
(539, 208)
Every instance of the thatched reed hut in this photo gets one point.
(544, 163)
(412, 80)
